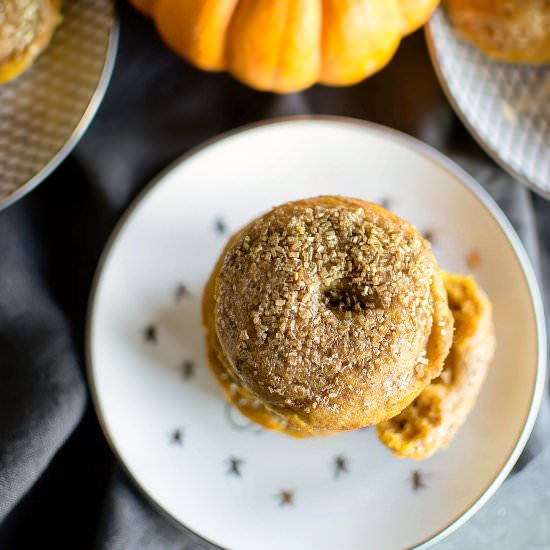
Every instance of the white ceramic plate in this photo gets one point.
(164, 414)
(505, 106)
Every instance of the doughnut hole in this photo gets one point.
(344, 295)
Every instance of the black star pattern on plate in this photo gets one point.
(286, 498)
(418, 480)
(340, 466)
(176, 437)
(220, 226)
(150, 334)
(181, 292)
(386, 202)
(429, 235)
(188, 369)
(235, 466)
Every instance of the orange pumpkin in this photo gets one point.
(287, 45)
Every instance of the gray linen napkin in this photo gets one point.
(42, 392)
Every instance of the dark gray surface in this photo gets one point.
(58, 481)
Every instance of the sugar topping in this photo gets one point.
(325, 307)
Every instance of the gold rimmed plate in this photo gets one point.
(231, 482)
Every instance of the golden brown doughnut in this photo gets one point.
(26, 27)
(324, 315)
(432, 420)
(508, 30)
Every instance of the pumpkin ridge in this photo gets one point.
(345, 37)
(284, 36)
(225, 53)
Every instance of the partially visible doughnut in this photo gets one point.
(26, 27)
(432, 420)
(517, 31)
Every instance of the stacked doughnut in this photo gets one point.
(331, 314)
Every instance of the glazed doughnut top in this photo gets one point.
(331, 311)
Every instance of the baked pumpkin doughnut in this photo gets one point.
(324, 315)
(26, 27)
(508, 30)
(434, 417)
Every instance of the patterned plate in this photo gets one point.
(230, 481)
(506, 107)
(44, 112)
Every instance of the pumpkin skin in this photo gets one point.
(287, 45)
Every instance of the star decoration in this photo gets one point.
(429, 235)
(181, 292)
(417, 481)
(473, 260)
(340, 466)
(386, 202)
(150, 334)
(235, 466)
(188, 369)
(286, 498)
(176, 437)
(221, 228)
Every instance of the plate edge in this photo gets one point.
(83, 123)
(471, 185)
(434, 58)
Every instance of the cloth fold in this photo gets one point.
(129, 522)
(156, 109)
(42, 394)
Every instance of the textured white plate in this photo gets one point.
(506, 107)
(164, 414)
(45, 110)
